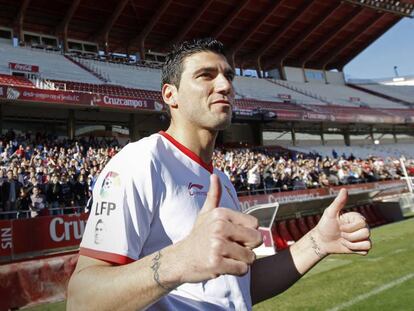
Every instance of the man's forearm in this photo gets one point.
(272, 275)
(128, 287)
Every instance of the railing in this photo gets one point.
(32, 213)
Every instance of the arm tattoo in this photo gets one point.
(156, 263)
(316, 247)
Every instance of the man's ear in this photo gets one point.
(169, 95)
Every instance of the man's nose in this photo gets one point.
(223, 85)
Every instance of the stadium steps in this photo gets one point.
(301, 91)
(93, 72)
(388, 97)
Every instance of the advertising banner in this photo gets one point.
(6, 238)
(41, 235)
(127, 102)
(24, 67)
(44, 96)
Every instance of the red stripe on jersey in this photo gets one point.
(105, 256)
(188, 152)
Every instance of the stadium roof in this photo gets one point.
(310, 33)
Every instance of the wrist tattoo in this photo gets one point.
(316, 248)
(156, 263)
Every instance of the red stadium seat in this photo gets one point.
(302, 225)
(278, 241)
(293, 229)
(284, 232)
(310, 221)
(377, 214)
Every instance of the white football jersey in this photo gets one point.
(148, 197)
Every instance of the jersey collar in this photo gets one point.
(188, 152)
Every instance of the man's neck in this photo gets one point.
(199, 141)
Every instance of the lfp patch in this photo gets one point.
(111, 180)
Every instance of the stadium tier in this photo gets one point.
(399, 92)
(342, 95)
(53, 65)
(262, 89)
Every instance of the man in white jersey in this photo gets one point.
(165, 231)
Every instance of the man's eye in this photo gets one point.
(205, 75)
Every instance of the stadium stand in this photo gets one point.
(341, 95)
(399, 92)
(263, 89)
(15, 80)
(128, 76)
(53, 65)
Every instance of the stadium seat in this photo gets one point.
(293, 229)
(284, 232)
(278, 241)
(302, 225)
(311, 221)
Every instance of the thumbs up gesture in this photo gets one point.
(220, 242)
(342, 233)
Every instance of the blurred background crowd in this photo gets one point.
(43, 175)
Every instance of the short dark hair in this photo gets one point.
(173, 65)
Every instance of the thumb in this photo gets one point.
(338, 204)
(213, 195)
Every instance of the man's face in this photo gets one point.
(206, 95)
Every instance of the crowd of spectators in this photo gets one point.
(264, 171)
(43, 175)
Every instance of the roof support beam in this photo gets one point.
(280, 57)
(348, 41)
(280, 31)
(104, 33)
(367, 43)
(259, 22)
(354, 14)
(148, 28)
(18, 21)
(63, 26)
(220, 28)
(189, 24)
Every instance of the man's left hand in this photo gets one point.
(338, 233)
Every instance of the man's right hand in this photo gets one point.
(220, 242)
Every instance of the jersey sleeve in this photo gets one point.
(121, 213)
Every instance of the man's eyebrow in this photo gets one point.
(205, 69)
(227, 71)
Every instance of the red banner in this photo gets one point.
(24, 67)
(41, 235)
(44, 96)
(6, 238)
(127, 102)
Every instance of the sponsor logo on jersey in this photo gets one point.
(196, 189)
(111, 180)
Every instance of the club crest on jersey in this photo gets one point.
(110, 181)
(196, 189)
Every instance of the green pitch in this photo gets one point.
(383, 280)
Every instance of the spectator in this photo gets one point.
(23, 204)
(10, 192)
(54, 195)
(38, 204)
